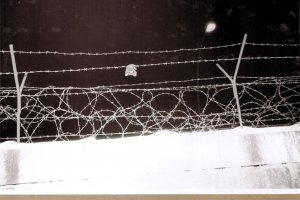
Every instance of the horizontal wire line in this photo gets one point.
(145, 52)
(126, 116)
(272, 45)
(121, 52)
(65, 92)
(260, 78)
(153, 64)
(119, 67)
(120, 85)
(96, 90)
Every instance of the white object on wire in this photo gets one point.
(210, 27)
(131, 70)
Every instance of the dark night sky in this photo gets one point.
(120, 25)
(116, 25)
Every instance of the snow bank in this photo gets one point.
(226, 159)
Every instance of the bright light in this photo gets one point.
(210, 27)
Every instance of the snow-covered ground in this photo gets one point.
(165, 162)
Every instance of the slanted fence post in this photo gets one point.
(19, 91)
(233, 80)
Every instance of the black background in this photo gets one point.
(121, 25)
(117, 25)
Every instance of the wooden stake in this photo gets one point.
(19, 91)
(233, 80)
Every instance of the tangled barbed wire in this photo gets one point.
(63, 113)
(108, 112)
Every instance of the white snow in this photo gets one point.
(165, 162)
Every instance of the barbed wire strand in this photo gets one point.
(153, 64)
(272, 45)
(121, 52)
(145, 52)
(98, 90)
(258, 78)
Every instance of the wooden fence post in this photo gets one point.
(19, 91)
(233, 80)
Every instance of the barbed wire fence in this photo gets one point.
(63, 113)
